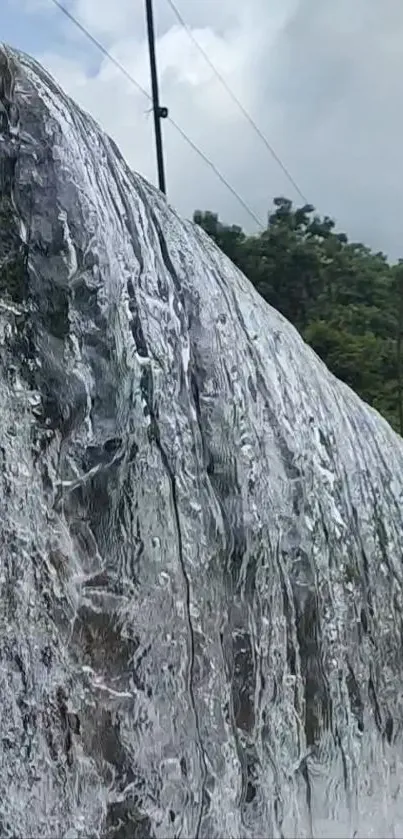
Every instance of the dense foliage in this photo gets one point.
(345, 300)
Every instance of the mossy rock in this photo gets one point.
(13, 257)
(13, 279)
(351, 573)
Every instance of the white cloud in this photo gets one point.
(322, 79)
(106, 18)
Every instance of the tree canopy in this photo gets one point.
(345, 300)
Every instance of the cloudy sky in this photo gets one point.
(322, 78)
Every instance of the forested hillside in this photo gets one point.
(346, 300)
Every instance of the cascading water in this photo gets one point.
(201, 528)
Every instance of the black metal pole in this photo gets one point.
(159, 113)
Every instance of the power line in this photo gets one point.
(145, 93)
(235, 99)
(101, 48)
(216, 172)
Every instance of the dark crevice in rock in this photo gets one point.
(318, 704)
(147, 388)
(191, 663)
(372, 693)
(356, 703)
(136, 327)
(243, 681)
(125, 821)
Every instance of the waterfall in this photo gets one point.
(200, 527)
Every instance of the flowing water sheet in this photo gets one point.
(200, 527)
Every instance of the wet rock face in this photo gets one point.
(201, 529)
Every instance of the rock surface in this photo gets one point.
(200, 531)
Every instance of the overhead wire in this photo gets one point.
(101, 48)
(235, 99)
(83, 29)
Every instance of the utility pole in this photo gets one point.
(159, 112)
